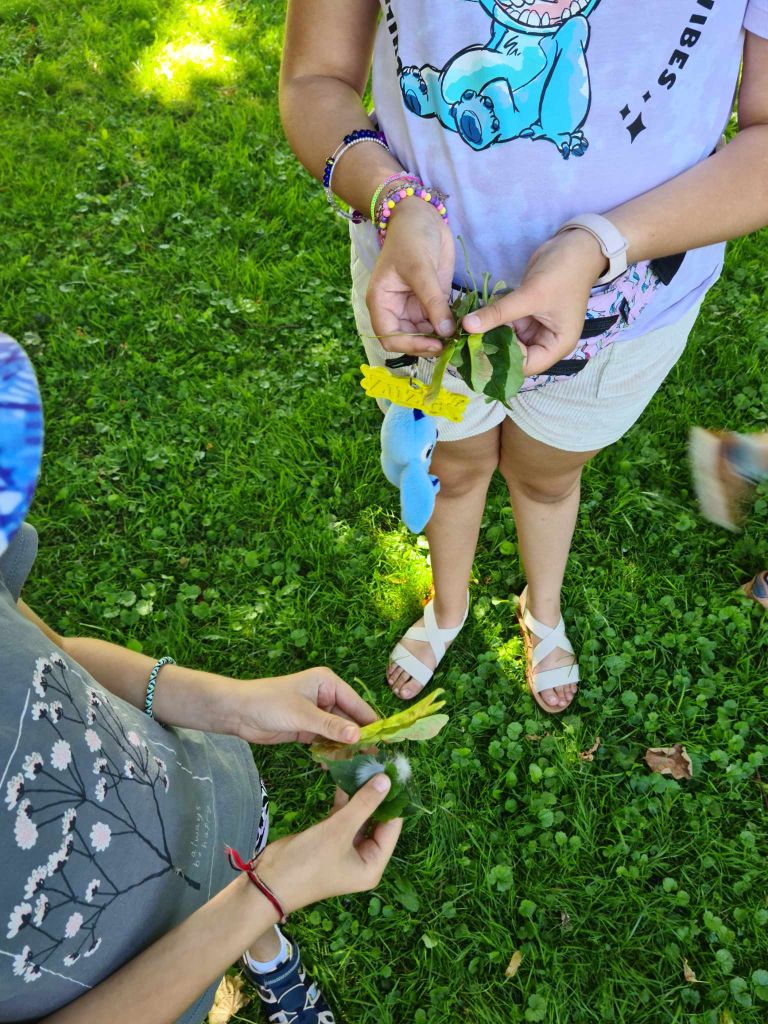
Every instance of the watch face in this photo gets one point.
(21, 437)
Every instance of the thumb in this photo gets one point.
(365, 801)
(330, 727)
(504, 310)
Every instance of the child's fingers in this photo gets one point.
(379, 846)
(504, 310)
(434, 302)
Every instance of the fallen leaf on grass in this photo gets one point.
(514, 964)
(688, 974)
(672, 761)
(565, 921)
(589, 755)
(531, 736)
(228, 1001)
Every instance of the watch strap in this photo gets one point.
(613, 244)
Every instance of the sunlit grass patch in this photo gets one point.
(192, 46)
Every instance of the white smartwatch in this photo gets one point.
(613, 244)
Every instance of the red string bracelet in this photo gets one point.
(249, 867)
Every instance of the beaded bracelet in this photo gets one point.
(249, 867)
(402, 176)
(433, 196)
(151, 684)
(353, 139)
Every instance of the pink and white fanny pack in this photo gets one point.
(612, 308)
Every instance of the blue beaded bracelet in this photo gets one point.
(152, 682)
(347, 143)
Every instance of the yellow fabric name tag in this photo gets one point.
(378, 382)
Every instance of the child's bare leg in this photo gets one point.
(464, 469)
(544, 488)
(266, 947)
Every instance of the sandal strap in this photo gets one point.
(430, 633)
(549, 678)
(551, 638)
(403, 658)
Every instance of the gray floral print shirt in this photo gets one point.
(112, 828)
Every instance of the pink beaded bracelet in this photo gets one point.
(433, 196)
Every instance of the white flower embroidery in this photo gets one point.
(32, 973)
(89, 716)
(91, 889)
(33, 765)
(13, 790)
(61, 755)
(39, 710)
(25, 829)
(93, 699)
(93, 740)
(56, 659)
(68, 821)
(129, 770)
(20, 916)
(101, 789)
(93, 948)
(71, 958)
(101, 836)
(60, 856)
(161, 764)
(34, 882)
(41, 909)
(134, 739)
(165, 783)
(99, 765)
(21, 961)
(73, 926)
(42, 668)
(55, 710)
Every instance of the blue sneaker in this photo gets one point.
(287, 995)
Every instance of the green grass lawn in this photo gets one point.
(211, 490)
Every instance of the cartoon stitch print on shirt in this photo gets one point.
(529, 81)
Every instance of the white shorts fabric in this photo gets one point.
(588, 411)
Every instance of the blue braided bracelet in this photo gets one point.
(151, 684)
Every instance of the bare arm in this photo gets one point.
(329, 859)
(326, 62)
(292, 708)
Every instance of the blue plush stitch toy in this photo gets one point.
(408, 439)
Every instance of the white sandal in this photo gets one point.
(437, 638)
(549, 639)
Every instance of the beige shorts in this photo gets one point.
(588, 411)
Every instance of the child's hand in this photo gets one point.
(409, 287)
(334, 857)
(547, 311)
(298, 708)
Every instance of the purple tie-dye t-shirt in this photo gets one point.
(529, 112)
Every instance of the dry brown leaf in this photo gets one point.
(672, 761)
(228, 1001)
(688, 974)
(514, 964)
(565, 921)
(531, 736)
(589, 755)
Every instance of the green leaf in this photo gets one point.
(424, 729)
(506, 359)
(481, 368)
(394, 729)
(406, 894)
(725, 960)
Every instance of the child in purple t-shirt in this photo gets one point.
(578, 143)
